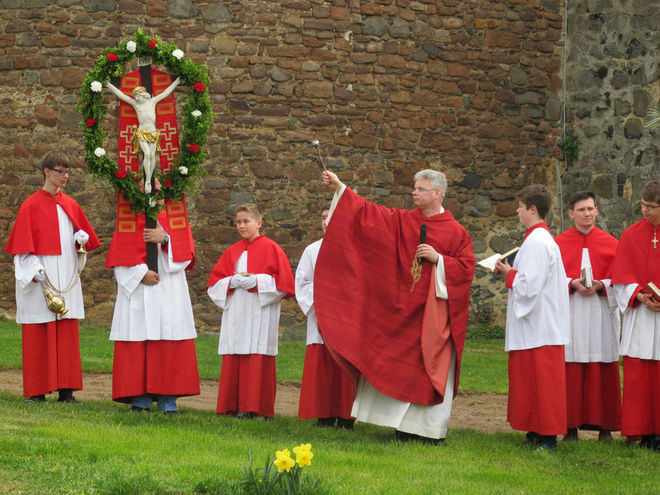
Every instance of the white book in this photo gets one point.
(489, 263)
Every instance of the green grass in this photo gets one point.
(99, 448)
(96, 352)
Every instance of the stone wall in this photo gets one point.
(388, 87)
(611, 79)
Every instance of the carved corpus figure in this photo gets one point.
(146, 137)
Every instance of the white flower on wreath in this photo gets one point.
(99, 152)
(196, 113)
(152, 202)
(131, 46)
(177, 54)
(96, 86)
(183, 170)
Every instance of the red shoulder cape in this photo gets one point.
(128, 248)
(36, 229)
(366, 312)
(264, 256)
(636, 261)
(602, 248)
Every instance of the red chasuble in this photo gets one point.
(128, 247)
(36, 229)
(602, 248)
(637, 261)
(367, 314)
(264, 256)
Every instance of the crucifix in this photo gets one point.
(146, 137)
(654, 241)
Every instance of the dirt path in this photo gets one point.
(485, 412)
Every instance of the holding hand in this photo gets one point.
(648, 301)
(150, 278)
(427, 252)
(502, 267)
(81, 237)
(156, 235)
(578, 285)
(331, 180)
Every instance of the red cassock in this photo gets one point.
(369, 318)
(51, 350)
(593, 390)
(157, 367)
(326, 390)
(638, 262)
(248, 382)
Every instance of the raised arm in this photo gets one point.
(119, 94)
(167, 91)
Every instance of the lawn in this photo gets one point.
(100, 448)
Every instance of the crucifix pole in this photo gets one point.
(150, 223)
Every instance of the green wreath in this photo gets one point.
(198, 119)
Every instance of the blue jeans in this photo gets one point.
(166, 403)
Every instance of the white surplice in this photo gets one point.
(305, 290)
(640, 333)
(250, 320)
(61, 269)
(595, 324)
(537, 306)
(153, 312)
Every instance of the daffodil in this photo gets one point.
(303, 454)
(283, 460)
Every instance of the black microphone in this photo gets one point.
(422, 240)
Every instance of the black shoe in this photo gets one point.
(534, 438)
(139, 409)
(345, 424)
(403, 436)
(35, 399)
(325, 422)
(69, 400)
(246, 415)
(647, 441)
(171, 413)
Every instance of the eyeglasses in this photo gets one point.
(648, 207)
(422, 190)
(61, 171)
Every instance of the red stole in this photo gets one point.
(366, 312)
(36, 229)
(128, 247)
(264, 256)
(602, 249)
(636, 261)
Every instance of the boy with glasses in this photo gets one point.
(637, 263)
(49, 228)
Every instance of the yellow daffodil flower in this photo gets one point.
(304, 454)
(283, 460)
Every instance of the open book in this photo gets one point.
(489, 263)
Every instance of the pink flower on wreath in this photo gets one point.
(112, 57)
(121, 174)
(168, 183)
(199, 86)
(91, 121)
(153, 43)
(193, 147)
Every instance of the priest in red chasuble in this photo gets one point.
(636, 265)
(391, 290)
(50, 229)
(593, 388)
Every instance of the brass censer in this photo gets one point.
(55, 303)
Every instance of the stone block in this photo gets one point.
(632, 128)
(182, 9)
(45, 115)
